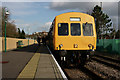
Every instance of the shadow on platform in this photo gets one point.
(30, 48)
(43, 49)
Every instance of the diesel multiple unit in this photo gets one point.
(72, 36)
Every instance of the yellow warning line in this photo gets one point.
(30, 68)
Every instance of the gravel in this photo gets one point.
(113, 56)
(76, 74)
(107, 72)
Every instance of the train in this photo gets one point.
(72, 36)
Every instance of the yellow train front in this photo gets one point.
(73, 36)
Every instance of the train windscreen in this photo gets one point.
(75, 29)
(63, 29)
(87, 29)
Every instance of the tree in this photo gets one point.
(0, 24)
(118, 34)
(23, 34)
(11, 30)
(113, 34)
(102, 21)
(19, 33)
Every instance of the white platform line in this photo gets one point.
(61, 71)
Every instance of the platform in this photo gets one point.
(41, 65)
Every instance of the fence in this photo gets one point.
(12, 43)
(109, 45)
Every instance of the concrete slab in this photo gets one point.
(40, 66)
(30, 68)
(17, 59)
(47, 68)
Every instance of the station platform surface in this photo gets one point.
(32, 62)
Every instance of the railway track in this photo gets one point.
(96, 69)
(82, 73)
(107, 61)
(92, 71)
(109, 58)
(92, 74)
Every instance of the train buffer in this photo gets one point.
(41, 65)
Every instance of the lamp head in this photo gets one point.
(7, 13)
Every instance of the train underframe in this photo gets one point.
(76, 57)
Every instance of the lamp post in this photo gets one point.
(5, 13)
(5, 35)
(34, 37)
(28, 34)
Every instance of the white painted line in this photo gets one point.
(61, 71)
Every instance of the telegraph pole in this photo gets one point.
(102, 25)
(101, 5)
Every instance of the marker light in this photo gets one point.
(61, 45)
(75, 46)
(91, 46)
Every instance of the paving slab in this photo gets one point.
(17, 60)
(40, 66)
(30, 68)
(47, 68)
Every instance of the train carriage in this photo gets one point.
(73, 36)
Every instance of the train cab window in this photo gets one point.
(63, 29)
(87, 29)
(75, 29)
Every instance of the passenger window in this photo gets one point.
(75, 29)
(63, 29)
(87, 29)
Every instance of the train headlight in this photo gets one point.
(91, 46)
(75, 46)
(61, 45)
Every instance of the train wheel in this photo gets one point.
(81, 60)
(62, 62)
(67, 63)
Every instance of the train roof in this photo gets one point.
(76, 13)
(67, 16)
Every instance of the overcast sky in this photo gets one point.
(37, 16)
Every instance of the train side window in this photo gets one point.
(62, 29)
(87, 29)
(75, 29)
